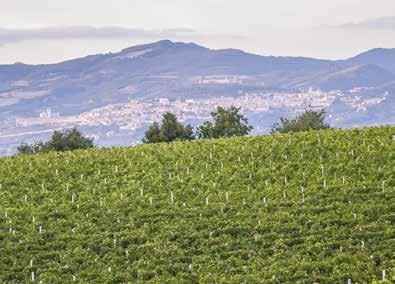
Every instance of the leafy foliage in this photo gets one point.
(170, 130)
(309, 120)
(67, 140)
(227, 123)
(30, 149)
(308, 207)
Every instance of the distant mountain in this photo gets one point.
(384, 58)
(365, 75)
(171, 69)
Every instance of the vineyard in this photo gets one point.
(305, 207)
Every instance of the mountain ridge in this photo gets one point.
(174, 69)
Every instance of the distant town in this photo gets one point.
(137, 113)
(134, 116)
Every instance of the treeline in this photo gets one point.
(228, 123)
(225, 123)
(67, 140)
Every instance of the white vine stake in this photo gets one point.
(32, 275)
(206, 200)
(383, 276)
(227, 196)
(150, 201)
(171, 197)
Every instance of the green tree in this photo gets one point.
(152, 135)
(169, 130)
(73, 139)
(308, 120)
(227, 123)
(30, 149)
(67, 140)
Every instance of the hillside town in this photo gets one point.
(137, 113)
(126, 122)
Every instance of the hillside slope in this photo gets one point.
(350, 77)
(307, 207)
(382, 57)
(173, 69)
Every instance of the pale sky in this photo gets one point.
(44, 31)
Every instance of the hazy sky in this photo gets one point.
(42, 31)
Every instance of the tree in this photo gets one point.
(75, 140)
(227, 123)
(153, 134)
(169, 130)
(67, 140)
(28, 149)
(309, 120)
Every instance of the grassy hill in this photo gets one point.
(305, 207)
